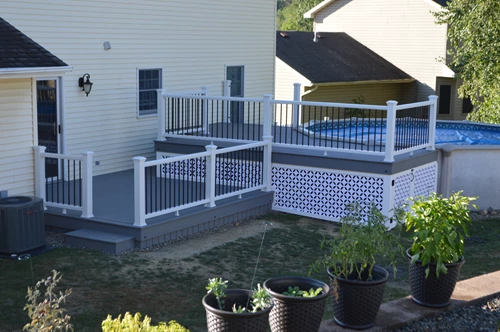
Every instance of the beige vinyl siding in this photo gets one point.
(374, 94)
(191, 41)
(402, 31)
(16, 135)
(285, 77)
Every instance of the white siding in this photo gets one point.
(402, 31)
(285, 77)
(16, 137)
(191, 41)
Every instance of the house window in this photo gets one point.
(444, 99)
(466, 106)
(149, 81)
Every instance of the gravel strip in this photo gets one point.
(480, 316)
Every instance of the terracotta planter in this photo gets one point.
(358, 301)
(228, 321)
(296, 314)
(432, 291)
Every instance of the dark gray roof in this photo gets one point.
(336, 57)
(443, 3)
(18, 51)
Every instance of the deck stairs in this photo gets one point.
(108, 242)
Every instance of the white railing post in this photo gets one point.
(40, 172)
(210, 176)
(162, 116)
(432, 121)
(296, 98)
(139, 192)
(390, 131)
(268, 116)
(226, 92)
(205, 129)
(87, 198)
(267, 164)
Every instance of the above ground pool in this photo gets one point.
(452, 132)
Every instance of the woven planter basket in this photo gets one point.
(432, 291)
(296, 314)
(228, 321)
(358, 301)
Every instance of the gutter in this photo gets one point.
(406, 80)
(32, 71)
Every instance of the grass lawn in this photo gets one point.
(165, 288)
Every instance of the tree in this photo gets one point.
(290, 15)
(474, 38)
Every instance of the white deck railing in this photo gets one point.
(71, 187)
(386, 130)
(156, 194)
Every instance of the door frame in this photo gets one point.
(241, 113)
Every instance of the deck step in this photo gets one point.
(108, 242)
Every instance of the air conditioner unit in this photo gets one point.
(22, 226)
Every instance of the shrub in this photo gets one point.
(131, 323)
(47, 315)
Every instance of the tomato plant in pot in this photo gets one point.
(439, 225)
(356, 281)
(299, 303)
(236, 310)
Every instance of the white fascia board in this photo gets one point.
(317, 8)
(447, 72)
(28, 72)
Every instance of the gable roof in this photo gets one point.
(323, 4)
(335, 58)
(19, 53)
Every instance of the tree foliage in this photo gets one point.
(290, 15)
(474, 38)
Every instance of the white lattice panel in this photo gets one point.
(323, 193)
(425, 180)
(402, 186)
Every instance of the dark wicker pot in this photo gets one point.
(358, 301)
(432, 291)
(296, 314)
(228, 321)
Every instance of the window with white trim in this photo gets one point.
(149, 81)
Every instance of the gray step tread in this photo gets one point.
(99, 236)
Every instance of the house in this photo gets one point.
(405, 34)
(128, 49)
(334, 67)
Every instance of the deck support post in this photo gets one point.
(432, 122)
(139, 192)
(87, 198)
(296, 98)
(161, 114)
(268, 116)
(40, 173)
(267, 164)
(210, 175)
(390, 131)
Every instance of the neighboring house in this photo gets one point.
(333, 67)
(406, 34)
(129, 48)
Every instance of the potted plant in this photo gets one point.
(236, 310)
(439, 225)
(299, 303)
(356, 281)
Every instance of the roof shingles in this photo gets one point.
(19, 51)
(335, 58)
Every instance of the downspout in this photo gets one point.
(62, 118)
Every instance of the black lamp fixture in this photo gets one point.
(85, 84)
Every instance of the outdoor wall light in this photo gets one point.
(85, 84)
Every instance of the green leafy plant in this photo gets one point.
(260, 298)
(131, 323)
(297, 292)
(45, 311)
(362, 239)
(439, 225)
